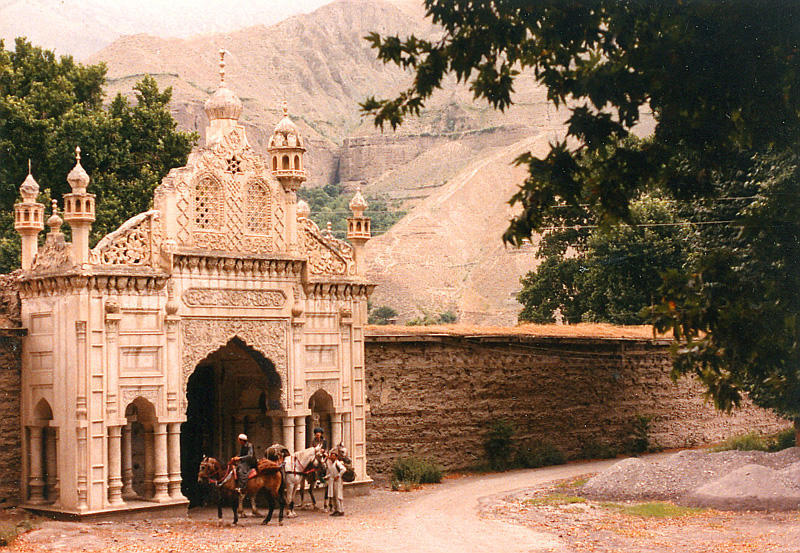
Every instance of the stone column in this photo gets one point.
(127, 464)
(336, 429)
(36, 482)
(115, 465)
(161, 476)
(299, 433)
(51, 460)
(348, 432)
(174, 456)
(277, 436)
(288, 433)
(149, 467)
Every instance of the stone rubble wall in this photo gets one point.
(438, 398)
(10, 382)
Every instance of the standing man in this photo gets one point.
(335, 484)
(246, 461)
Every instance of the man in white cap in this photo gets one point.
(246, 459)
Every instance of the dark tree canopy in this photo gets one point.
(720, 77)
(723, 81)
(49, 105)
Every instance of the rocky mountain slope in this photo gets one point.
(451, 166)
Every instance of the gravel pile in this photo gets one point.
(738, 480)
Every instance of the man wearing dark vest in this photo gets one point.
(246, 461)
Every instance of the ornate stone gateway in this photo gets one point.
(225, 290)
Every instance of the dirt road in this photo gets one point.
(473, 513)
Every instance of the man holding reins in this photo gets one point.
(246, 461)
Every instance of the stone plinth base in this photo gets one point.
(133, 507)
(357, 488)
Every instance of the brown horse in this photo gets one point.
(267, 477)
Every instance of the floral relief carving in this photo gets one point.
(225, 297)
(326, 255)
(55, 254)
(136, 242)
(130, 393)
(201, 337)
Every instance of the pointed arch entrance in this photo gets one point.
(234, 389)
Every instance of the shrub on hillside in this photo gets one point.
(413, 470)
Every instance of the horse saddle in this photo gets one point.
(265, 465)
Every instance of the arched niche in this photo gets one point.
(140, 415)
(321, 406)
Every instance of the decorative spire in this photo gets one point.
(77, 178)
(221, 67)
(29, 189)
(223, 104)
(54, 221)
(285, 106)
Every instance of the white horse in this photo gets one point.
(298, 465)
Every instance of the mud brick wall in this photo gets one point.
(437, 396)
(10, 438)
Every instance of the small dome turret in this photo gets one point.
(29, 189)
(223, 104)
(286, 133)
(303, 209)
(77, 178)
(358, 204)
(286, 151)
(54, 221)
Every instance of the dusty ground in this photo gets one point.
(604, 528)
(474, 513)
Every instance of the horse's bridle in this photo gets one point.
(304, 469)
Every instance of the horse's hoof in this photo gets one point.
(291, 515)
(280, 523)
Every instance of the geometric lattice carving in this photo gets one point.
(258, 207)
(208, 204)
(136, 242)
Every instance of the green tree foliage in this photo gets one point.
(49, 105)
(604, 273)
(723, 82)
(382, 315)
(330, 203)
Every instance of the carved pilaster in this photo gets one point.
(113, 317)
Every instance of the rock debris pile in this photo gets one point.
(727, 480)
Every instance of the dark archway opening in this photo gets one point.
(235, 389)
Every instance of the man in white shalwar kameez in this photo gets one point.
(335, 484)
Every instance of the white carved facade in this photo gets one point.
(224, 309)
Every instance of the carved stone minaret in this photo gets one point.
(358, 230)
(286, 158)
(223, 108)
(29, 219)
(79, 210)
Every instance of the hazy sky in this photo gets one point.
(82, 27)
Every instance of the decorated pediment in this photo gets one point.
(137, 242)
(326, 254)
